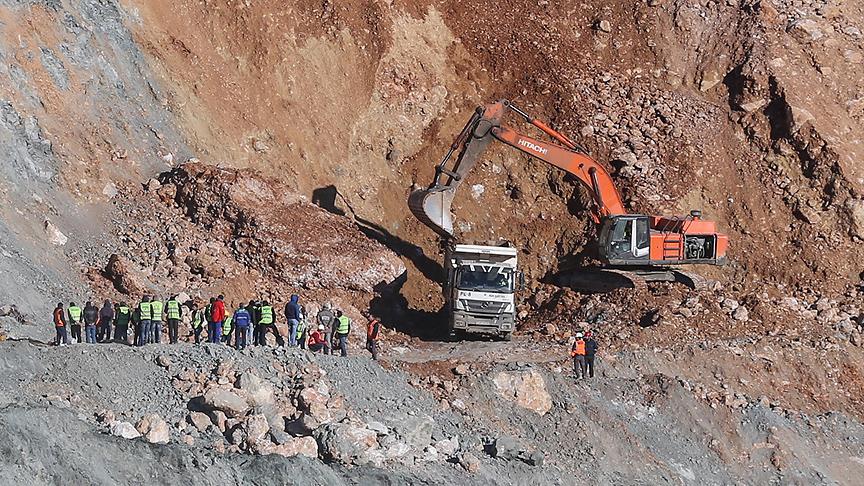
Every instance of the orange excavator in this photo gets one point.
(636, 241)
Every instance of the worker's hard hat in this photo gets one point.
(320, 327)
(578, 334)
(327, 305)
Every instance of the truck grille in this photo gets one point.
(484, 307)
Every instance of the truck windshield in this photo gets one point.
(485, 279)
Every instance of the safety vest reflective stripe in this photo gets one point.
(267, 315)
(146, 311)
(172, 309)
(123, 316)
(344, 325)
(75, 314)
(156, 310)
(197, 319)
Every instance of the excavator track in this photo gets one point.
(601, 280)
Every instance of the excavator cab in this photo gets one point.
(625, 239)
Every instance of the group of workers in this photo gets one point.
(253, 322)
(583, 351)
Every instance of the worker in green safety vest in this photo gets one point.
(301, 329)
(266, 323)
(75, 313)
(145, 328)
(157, 307)
(343, 328)
(122, 317)
(227, 326)
(199, 318)
(173, 314)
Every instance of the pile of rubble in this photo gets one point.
(199, 227)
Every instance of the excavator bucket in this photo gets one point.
(432, 207)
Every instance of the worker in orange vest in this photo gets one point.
(373, 326)
(578, 353)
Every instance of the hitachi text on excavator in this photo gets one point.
(639, 242)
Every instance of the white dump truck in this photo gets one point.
(480, 290)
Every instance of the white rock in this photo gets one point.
(110, 190)
(125, 430)
(477, 190)
(55, 236)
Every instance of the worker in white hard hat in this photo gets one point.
(578, 354)
(317, 340)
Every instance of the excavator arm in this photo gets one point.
(432, 205)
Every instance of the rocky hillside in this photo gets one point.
(261, 149)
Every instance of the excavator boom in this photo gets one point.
(432, 205)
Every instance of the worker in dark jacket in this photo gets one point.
(590, 351)
(91, 320)
(326, 318)
(293, 315)
(106, 317)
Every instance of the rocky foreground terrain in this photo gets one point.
(264, 148)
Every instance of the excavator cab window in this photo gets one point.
(625, 238)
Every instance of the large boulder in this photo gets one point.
(296, 446)
(125, 430)
(526, 389)
(259, 392)
(154, 429)
(226, 402)
(257, 431)
(416, 431)
(346, 443)
(125, 276)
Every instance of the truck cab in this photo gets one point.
(480, 290)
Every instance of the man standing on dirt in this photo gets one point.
(242, 321)
(217, 316)
(590, 351)
(343, 329)
(60, 326)
(106, 317)
(268, 323)
(156, 309)
(293, 316)
(373, 326)
(326, 318)
(198, 318)
(123, 315)
(173, 312)
(75, 321)
(91, 320)
(145, 313)
(578, 354)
